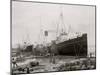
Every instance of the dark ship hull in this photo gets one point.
(73, 47)
(29, 48)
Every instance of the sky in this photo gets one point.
(29, 17)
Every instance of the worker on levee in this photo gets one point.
(14, 63)
(27, 70)
(53, 51)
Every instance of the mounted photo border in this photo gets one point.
(45, 3)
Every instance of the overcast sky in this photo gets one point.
(28, 17)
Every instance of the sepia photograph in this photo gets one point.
(52, 37)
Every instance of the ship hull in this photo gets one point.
(73, 47)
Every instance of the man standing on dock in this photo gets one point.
(53, 51)
(14, 63)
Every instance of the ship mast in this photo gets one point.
(40, 33)
(61, 29)
(42, 37)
